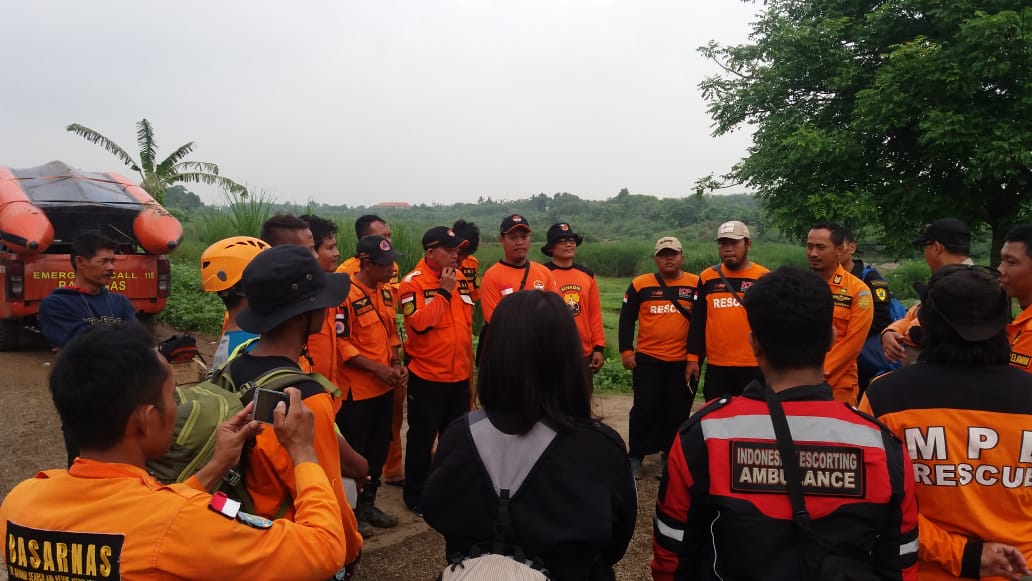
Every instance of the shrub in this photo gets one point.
(612, 378)
(901, 280)
(189, 308)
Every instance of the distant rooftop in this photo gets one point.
(393, 205)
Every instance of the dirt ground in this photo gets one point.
(31, 440)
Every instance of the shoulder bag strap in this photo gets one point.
(659, 279)
(526, 273)
(807, 546)
(730, 288)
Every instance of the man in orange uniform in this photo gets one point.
(661, 303)
(1016, 278)
(854, 308)
(719, 324)
(373, 225)
(469, 266)
(964, 414)
(287, 295)
(514, 272)
(435, 299)
(106, 518)
(371, 367)
(578, 287)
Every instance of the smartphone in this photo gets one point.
(265, 401)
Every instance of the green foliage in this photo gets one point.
(156, 177)
(893, 114)
(242, 215)
(179, 198)
(189, 308)
(902, 279)
(612, 378)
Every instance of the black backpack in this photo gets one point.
(502, 557)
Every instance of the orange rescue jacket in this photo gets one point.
(438, 325)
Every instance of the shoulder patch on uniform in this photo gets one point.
(411, 275)
(253, 520)
(408, 304)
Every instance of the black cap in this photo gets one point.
(285, 281)
(442, 236)
(969, 299)
(557, 232)
(513, 222)
(377, 250)
(948, 231)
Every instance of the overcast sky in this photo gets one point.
(347, 102)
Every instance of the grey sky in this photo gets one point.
(362, 102)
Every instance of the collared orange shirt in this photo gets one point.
(853, 315)
(1020, 334)
(352, 265)
(470, 268)
(503, 279)
(438, 325)
(367, 328)
(100, 520)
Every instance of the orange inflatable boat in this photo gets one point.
(35, 202)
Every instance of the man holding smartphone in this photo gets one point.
(123, 524)
(287, 297)
(438, 309)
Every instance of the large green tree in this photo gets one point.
(158, 176)
(891, 113)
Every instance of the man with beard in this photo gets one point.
(719, 324)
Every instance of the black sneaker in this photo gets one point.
(378, 518)
(365, 529)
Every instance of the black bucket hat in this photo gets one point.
(557, 232)
(285, 281)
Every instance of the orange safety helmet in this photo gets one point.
(223, 263)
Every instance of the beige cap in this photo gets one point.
(734, 230)
(667, 242)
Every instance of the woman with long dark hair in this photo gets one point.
(571, 502)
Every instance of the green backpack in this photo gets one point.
(201, 407)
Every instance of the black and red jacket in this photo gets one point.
(723, 511)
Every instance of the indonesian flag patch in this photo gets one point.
(224, 505)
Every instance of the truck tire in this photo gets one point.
(10, 332)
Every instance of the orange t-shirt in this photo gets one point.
(579, 289)
(1020, 334)
(503, 279)
(662, 328)
(719, 325)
